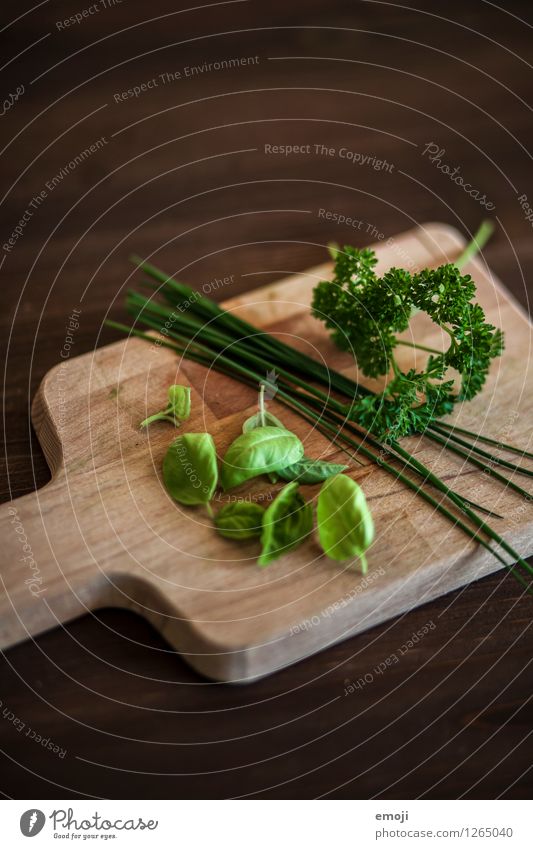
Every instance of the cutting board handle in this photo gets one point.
(36, 594)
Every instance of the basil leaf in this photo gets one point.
(239, 520)
(257, 452)
(190, 470)
(344, 520)
(261, 419)
(286, 523)
(310, 471)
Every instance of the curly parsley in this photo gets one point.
(365, 312)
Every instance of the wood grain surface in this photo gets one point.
(105, 533)
(183, 173)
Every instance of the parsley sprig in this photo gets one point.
(366, 312)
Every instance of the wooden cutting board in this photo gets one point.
(104, 532)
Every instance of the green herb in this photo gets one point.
(259, 451)
(308, 471)
(262, 418)
(286, 523)
(240, 520)
(178, 410)
(333, 250)
(366, 312)
(344, 521)
(190, 468)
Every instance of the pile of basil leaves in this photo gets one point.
(265, 447)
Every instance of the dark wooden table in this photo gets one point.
(181, 168)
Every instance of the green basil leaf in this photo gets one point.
(286, 523)
(258, 452)
(240, 520)
(178, 410)
(261, 419)
(310, 471)
(344, 520)
(190, 468)
(179, 399)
